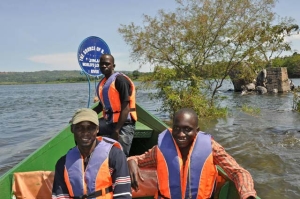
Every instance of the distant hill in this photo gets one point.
(40, 77)
(56, 76)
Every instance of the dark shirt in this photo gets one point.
(119, 173)
(123, 87)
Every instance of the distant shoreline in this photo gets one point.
(51, 77)
(54, 82)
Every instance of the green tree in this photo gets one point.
(292, 63)
(272, 40)
(200, 39)
(135, 74)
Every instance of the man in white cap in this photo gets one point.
(95, 167)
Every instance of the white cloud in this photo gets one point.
(292, 38)
(60, 61)
(123, 62)
(128, 65)
(68, 61)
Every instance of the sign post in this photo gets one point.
(88, 56)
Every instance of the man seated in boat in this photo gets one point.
(185, 161)
(95, 168)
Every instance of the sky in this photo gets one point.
(40, 35)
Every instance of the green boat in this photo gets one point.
(44, 158)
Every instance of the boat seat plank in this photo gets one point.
(142, 131)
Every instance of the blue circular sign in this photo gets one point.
(89, 53)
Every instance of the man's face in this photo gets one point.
(85, 133)
(106, 65)
(185, 129)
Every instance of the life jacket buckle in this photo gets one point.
(83, 196)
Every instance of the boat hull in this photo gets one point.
(147, 129)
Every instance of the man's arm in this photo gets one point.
(98, 108)
(241, 177)
(120, 174)
(59, 189)
(146, 160)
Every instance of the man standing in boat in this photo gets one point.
(116, 93)
(185, 160)
(95, 168)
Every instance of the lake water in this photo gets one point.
(267, 145)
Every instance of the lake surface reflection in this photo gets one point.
(268, 144)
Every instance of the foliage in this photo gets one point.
(177, 92)
(135, 74)
(205, 38)
(296, 101)
(272, 39)
(250, 110)
(292, 63)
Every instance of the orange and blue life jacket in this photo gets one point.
(193, 180)
(110, 99)
(95, 181)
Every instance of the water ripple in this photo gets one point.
(267, 144)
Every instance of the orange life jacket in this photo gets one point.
(110, 99)
(194, 180)
(95, 181)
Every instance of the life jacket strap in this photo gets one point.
(94, 194)
(109, 111)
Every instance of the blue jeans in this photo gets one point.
(125, 136)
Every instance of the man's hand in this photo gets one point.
(134, 172)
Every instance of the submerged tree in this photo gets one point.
(195, 47)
